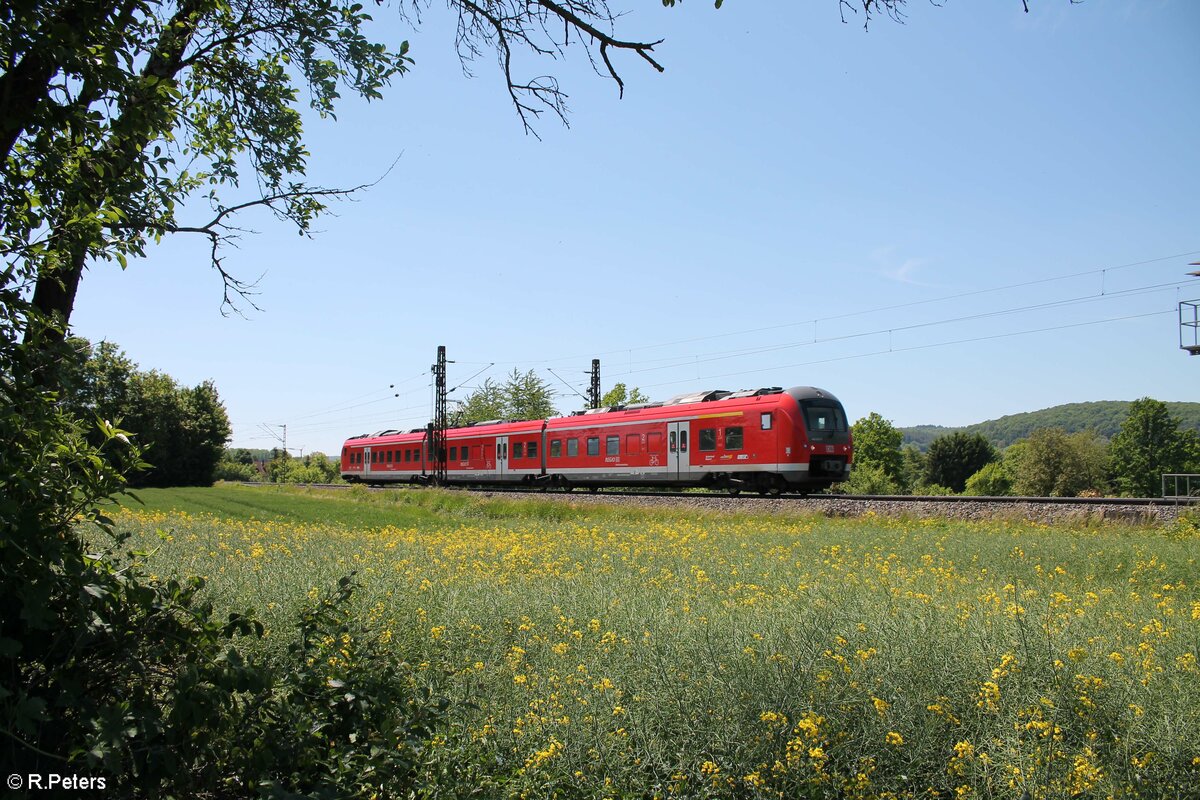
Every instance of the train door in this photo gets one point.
(679, 465)
(502, 457)
(366, 455)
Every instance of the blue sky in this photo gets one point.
(976, 213)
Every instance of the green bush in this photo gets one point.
(869, 479)
(233, 471)
(111, 673)
(991, 481)
(955, 457)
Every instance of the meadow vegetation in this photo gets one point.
(616, 652)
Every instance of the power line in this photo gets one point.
(1101, 271)
(691, 359)
(891, 350)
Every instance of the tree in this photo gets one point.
(114, 112)
(912, 468)
(955, 457)
(117, 111)
(316, 467)
(523, 395)
(486, 402)
(1053, 463)
(877, 444)
(527, 396)
(182, 430)
(618, 395)
(1148, 446)
(992, 480)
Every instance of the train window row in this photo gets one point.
(525, 450)
(408, 455)
(707, 440)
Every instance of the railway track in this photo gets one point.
(794, 497)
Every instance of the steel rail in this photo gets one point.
(753, 495)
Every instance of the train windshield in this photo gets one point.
(822, 417)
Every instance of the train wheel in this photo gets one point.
(770, 485)
(734, 491)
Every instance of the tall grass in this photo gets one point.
(600, 652)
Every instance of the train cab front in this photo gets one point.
(824, 436)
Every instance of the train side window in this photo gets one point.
(572, 447)
(612, 446)
(593, 445)
(654, 442)
(389, 456)
(733, 438)
(633, 444)
(555, 448)
(765, 421)
(518, 449)
(417, 454)
(673, 447)
(454, 454)
(408, 455)
(531, 450)
(708, 439)
(683, 441)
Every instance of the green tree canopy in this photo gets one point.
(182, 430)
(877, 444)
(1054, 463)
(1149, 445)
(528, 396)
(522, 395)
(619, 395)
(992, 480)
(954, 458)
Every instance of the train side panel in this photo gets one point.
(765, 440)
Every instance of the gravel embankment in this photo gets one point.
(856, 507)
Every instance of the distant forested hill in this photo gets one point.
(1104, 417)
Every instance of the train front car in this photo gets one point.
(821, 451)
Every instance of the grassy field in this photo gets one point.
(616, 652)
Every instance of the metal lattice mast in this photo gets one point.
(594, 389)
(437, 429)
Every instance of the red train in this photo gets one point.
(766, 440)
